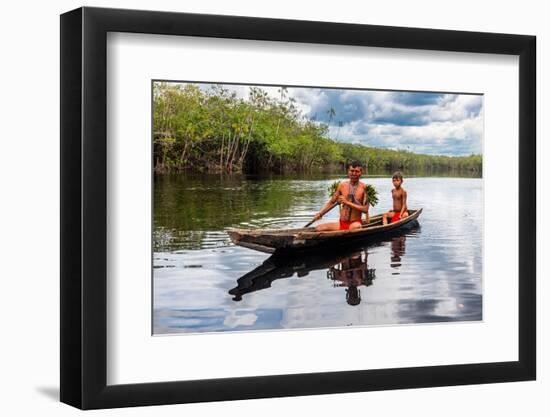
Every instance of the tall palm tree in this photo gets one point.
(331, 113)
(340, 124)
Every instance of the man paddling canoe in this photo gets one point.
(351, 195)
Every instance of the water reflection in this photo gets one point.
(397, 251)
(352, 272)
(345, 267)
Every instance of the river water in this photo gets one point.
(204, 283)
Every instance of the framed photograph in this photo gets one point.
(257, 207)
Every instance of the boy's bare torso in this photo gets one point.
(397, 196)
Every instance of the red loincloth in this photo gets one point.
(395, 217)
(344, 225)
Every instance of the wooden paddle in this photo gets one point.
(322, 214)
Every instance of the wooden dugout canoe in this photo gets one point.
(271, 240)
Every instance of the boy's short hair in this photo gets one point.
(354, 163)
(397, 175)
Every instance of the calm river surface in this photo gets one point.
(430, 273)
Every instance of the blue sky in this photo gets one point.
(432, 123)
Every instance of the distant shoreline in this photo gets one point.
(317, 175)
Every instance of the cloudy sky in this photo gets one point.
(432, 123)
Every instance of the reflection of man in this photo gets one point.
(351, 272)
(352, 197)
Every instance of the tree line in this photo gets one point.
(215, 131)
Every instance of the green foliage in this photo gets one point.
(384, 160)
(371, 191)
(332, 188)
(372, 195)
(215, 131)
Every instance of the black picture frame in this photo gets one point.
(84, 207)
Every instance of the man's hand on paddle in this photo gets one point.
(317, 216)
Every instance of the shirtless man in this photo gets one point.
(351, 195)
(399, 196)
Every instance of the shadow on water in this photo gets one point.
(347, 265)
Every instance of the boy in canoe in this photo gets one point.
(351, 195)
(399, 196)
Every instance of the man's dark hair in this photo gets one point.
(355, 163)
(398, 175)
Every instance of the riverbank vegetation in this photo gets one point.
(215, 131)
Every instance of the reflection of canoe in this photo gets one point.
(270, 240)
(280, 266)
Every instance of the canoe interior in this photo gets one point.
(270, 240)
